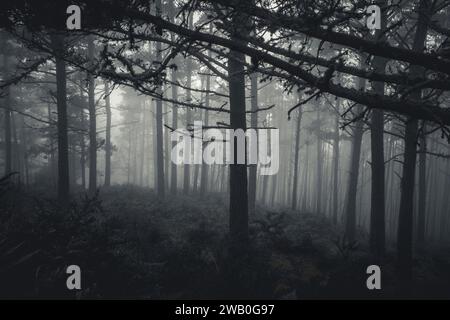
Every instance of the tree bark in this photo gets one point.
(7, 117)
(92, 122)
(319, 165)
(296, 160)
(82, 138)
(252, 170)
(336, 168)
(405, 217)
(238, 172)
(377, 213)
(59, 49)
(159, 122)
(422, 187)
(108, 147)
(358, 131)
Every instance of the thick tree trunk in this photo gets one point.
(108, 147)
(238, 172)
(377, 213)
(378, 205)
(352, 191)
(405, 218)
(61, 103)
(252, 170)
(92, 122)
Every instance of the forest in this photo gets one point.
(347, 100)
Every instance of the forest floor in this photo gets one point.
(129, 244)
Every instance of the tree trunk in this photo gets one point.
(108, 148)
(82, 139)
(173, 167)
(358, 131)
(92, 123)
(205, 168)
(378, 206)
(336, 168)
(142, 155)
(377, 213)
(238, 172)
(319, 165)
(7, 117)
(253, 123)
(159, 121)
(422, 187)
(187, 167)
(296, 159)
(405, 217)
(58, 45)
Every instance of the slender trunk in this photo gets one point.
(129, 156)
(296, 159)
(159, 121)
(82, 139)
(304, 205)
(52, 147)
(108, 148)
(7, 118)
(336, 169)
(142, 155)
(422, 187)
(205, 168)
(92, 123)
(173, 167)
(319, 166)
(187, 167)
(166, 147)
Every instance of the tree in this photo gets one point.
(92, 121)
(336, 166)
(108, 147)
(254, 124)
(160, 187)
(59, 49)
(377, 213)
(358, 131)
(296, 159)
(405, 217)
(238, 172)
(6, 110)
